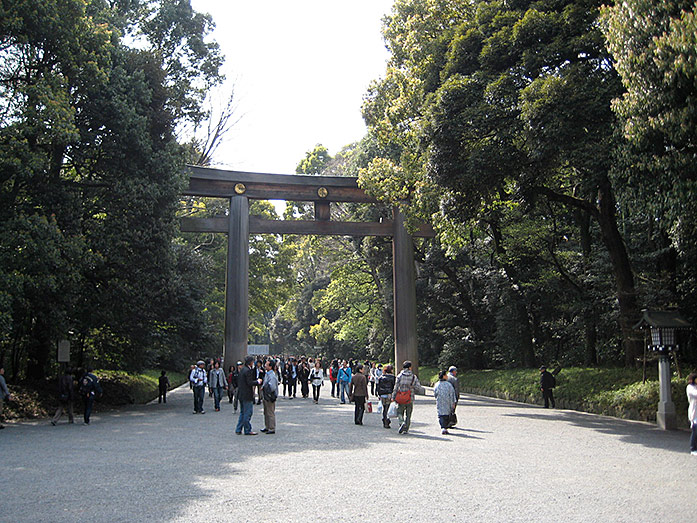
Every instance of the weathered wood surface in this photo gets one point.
(206, 181)
(323, 228)
(237, 282)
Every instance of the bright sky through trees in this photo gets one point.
(300, 70)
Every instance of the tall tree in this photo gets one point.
(501, 104)
(89, 148)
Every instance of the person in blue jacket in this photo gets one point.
(344, 378)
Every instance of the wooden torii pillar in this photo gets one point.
(239, 187)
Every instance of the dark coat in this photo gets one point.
(246, 383)
(358, 386)
(66, 391)
(547, 381)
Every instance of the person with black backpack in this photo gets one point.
(547, 383)
(89, 389)
(384, 388)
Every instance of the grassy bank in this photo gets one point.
(120, 388)
(123, 388)
(617, 392)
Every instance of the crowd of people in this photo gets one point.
(262, 380)
(259, 380)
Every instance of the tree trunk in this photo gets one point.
(583, 220)
(591, 336)
(624, 277)
(39, 351)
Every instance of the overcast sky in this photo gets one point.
(300, 70)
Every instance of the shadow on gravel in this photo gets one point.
(485, 401)
(157, 460)
(636, 433)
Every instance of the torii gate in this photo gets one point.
(322, 190)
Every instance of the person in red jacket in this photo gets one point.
(333, 371)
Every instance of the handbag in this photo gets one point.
(403, 397)
(380, 407)
(369, 406)
(392, 411)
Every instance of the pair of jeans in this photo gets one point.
(359, 409)
(244, 421)
(344, 386)
(404, 415)
(315, 392)
(89, 403)
(335, 389)
(234, 398)
(548, 395)
(217, 395)
(199, 393)
(693, 438)
(386, 400)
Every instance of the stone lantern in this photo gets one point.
(664, 327)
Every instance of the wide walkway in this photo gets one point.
(506, 462)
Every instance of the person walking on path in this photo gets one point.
(232, 378)
(4, 393)
(198, 381)
(163, 386)
(377, 372)
(269, 389)
(444, 392)
(304, 379)
(452, 379)
(66, 394)
(259, 375)
(358, 391)
(333, 371)
(344, 379)
(692, 410)
(547, 383)
(406, 385)
(89, 389)
(217, 383)
(384, 388)
(247, 382)
(292, 378)
(317, 379)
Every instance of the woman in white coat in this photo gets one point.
(692, 410)
(316, 378)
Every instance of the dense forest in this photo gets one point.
(551, 144)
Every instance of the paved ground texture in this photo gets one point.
(506, 462)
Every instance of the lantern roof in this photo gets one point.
(665, 319)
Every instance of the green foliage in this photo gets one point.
(91, 173)
(617, 392)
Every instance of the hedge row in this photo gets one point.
(617, 392)
(120, 388)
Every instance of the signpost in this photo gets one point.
(63, 351)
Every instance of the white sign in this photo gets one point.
(258, 350)
(63, 351)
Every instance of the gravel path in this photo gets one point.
(506, 462)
